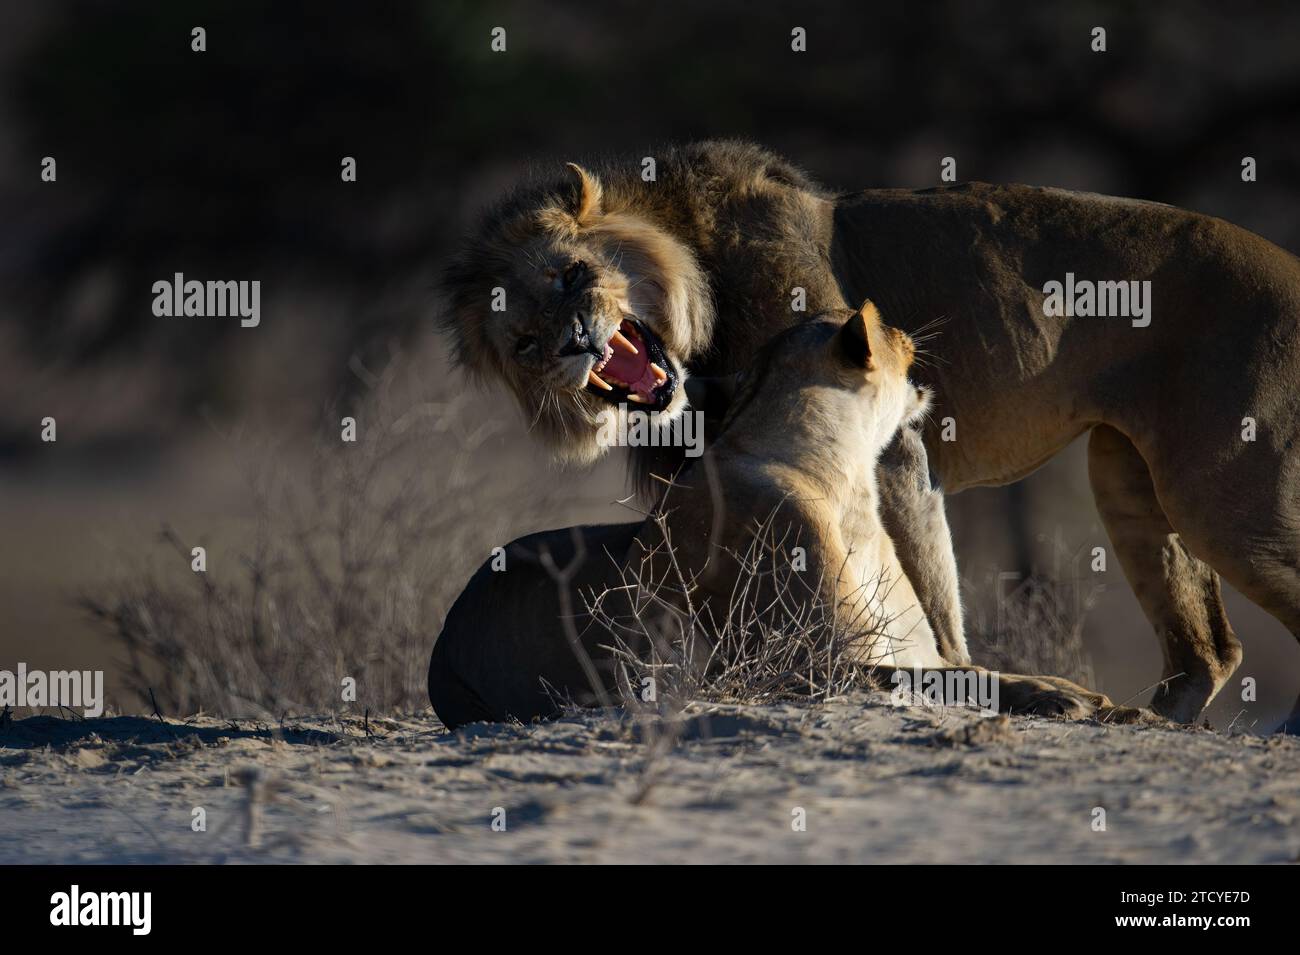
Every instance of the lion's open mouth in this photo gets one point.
(635, 368)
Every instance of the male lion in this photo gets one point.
(697, 268)
(794, 468)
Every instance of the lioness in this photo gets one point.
(697, 268)
(793, 468)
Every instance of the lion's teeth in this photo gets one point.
(659, 373)
(599, 382)
(633, 396)
(621, 340)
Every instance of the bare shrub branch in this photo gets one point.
(348, 567)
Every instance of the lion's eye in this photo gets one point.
(572, 275)
(526, 345)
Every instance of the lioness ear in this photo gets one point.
(854, 343)
(587, 204)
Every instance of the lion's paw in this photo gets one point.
(1057, 704)
(1035, 696)
(1133, 716)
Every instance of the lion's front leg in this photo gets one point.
(1057, 696)
(913, 515)
(1106, 710)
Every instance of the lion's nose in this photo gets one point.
(579, 339)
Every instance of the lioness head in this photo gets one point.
(840, 378)
(577, 303)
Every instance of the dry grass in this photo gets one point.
(348, 568)
(777, 638)
(1035, 625)
(350, 564)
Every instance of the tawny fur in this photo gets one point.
(793, 467)
(1183, 497)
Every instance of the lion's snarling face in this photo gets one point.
(578, 305)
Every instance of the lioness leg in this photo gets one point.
(913, 516)
(1179, 593)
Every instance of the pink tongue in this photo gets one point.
(634, 369)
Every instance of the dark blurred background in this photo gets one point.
(225, 164)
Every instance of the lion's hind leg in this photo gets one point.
(1178, 592)
(1243, 517)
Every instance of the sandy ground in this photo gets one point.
(876, 784)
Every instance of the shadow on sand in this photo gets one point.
(38, 731)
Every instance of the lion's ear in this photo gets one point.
(586, 205)
(854, 342)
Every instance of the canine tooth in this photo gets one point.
(622, 341)
(595, 379)
(633, 396)
(659, 373)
